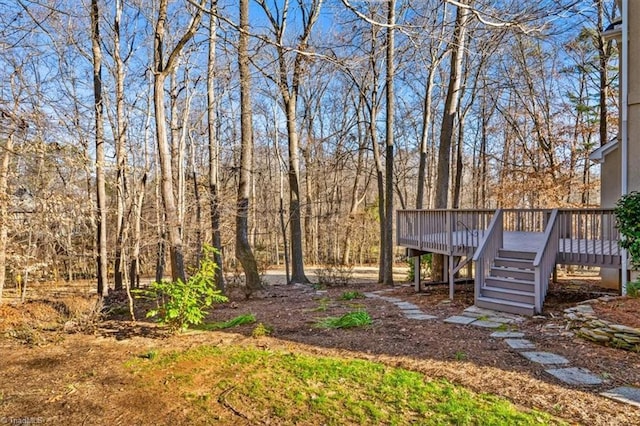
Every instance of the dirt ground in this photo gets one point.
(72, 371)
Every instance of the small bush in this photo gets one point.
(181, 304)
(261, 330)
(335, 275)
(633, 289)
(348, 320)
(234, 322)
(351, 295)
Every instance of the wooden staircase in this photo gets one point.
(510, 285)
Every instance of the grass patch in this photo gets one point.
(348, 320)
(234, 322)
(323, 305)
(351, 295)
(292, 388)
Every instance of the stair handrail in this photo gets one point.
(545, 260)
(492, 242)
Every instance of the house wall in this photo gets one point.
(611, 169)
(633, 117)
(609, 194)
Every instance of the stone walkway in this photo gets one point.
(408, 309)
(556, 365)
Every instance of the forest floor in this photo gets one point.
(58, 366)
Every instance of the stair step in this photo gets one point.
(506, 272)
(505, 306)
(508, 294)
(510, 283)
(513, 263)
(516, 254)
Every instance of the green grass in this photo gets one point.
(323, 305)
(293, 388)
(234, 322)
(351, 295)
(348, 320)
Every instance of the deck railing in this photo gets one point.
(442, 231)
(545, 260)
(589, 237)
(529, 220)
(488, 250)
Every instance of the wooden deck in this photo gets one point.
(598, 247)
(514, 251)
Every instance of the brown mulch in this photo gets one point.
(624, 310)
(80, 378)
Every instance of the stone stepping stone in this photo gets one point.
(457, 319)
(501, 320)
(627, 395)
(474, 310)
(486, 324)
(520, 344)
(408, 312)
(390, 299)
(575, 376)
(421, 317)
(406, 306)
(507, 334)
(545, 358)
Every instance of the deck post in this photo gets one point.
(451, 276)
(416, 272)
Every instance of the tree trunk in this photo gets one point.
(603, 56)
(457, 181)
(121, 188)
(388, 200)
(212, 122)
(295, 219)
(243, 248)
(446, 129)
(101, 212)
(7, 151)
(162, 69)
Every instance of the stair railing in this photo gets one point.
(487, 250)
(545, 260)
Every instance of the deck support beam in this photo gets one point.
(417, 267)
(451, 274)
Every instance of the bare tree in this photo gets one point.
(121, 156)
(387, 253)
(288, 80)
(101, 213)
(243, 248)
(162, 69)
(451, 108)
(214, 148)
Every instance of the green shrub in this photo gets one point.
(261, 330)
(627, 213)
(348, 320)
(233, 322)
(181, 304)
(351, 295)
(633, 289)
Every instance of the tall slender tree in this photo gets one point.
(214, 147)
(388, 193)
(101, 207)
(288, 79)
(162, 68)
(243, 248)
